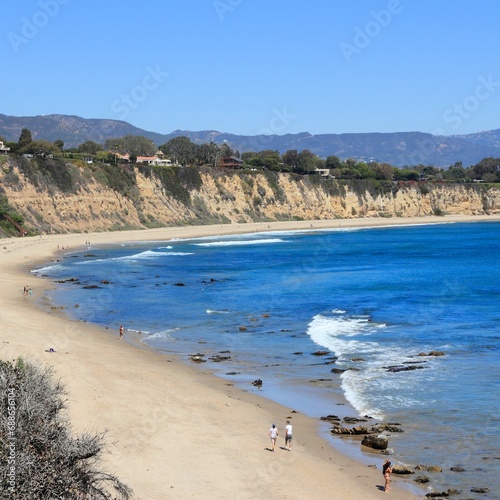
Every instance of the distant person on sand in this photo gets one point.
(273, 434)
(121, 331)
(288, 436)
(386, 472)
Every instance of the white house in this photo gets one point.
(3, 149)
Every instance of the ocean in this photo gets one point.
(288, 307)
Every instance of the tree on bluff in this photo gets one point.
(40, 458)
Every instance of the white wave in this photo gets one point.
(48, 269)
(162, 335)
(146, 255)
(213, 311)
(334, 332)
(166, 248)
(240, 242)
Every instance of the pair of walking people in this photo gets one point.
(273, 434)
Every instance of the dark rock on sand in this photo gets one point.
(232, 373)
(298, 353)
(457, 469)
(104, 282)
(377, 443)
(69, 280)
(357, 360)
(320, 353)
(422, 479)
(432, 353)
(353, 420)
(402, 469)
(217, 359)
(91, 287)
(197, 358)
(179, 284)
(434, 468)
(397, 369)
(338, 370)
(330, 418)
(350, 431)
(378, 428)
(480, 490)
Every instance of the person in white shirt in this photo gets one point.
(288, 436)
(273, 434)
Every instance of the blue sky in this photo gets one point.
(256, 66)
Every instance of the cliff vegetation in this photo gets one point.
(57, 195)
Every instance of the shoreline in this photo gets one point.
(168, 422)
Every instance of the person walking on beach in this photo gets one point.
(386, 472)
(121, 331)
(288, 436)
(273, 434)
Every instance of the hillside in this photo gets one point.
(398, 148)
(47, 196)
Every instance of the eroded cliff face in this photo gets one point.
(225, 197)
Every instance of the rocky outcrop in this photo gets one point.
(153, 197)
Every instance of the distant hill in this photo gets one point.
(396, 148)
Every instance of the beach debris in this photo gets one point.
(257, 383)
(375, 442)
(232, 373)
(402, 469)
(422, 479)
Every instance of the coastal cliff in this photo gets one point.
(51, 196)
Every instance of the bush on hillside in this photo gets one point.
(40, 457)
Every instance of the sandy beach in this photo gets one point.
(176, 430)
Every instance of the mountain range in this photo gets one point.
(396, 148)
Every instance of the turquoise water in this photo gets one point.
(374, 298)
